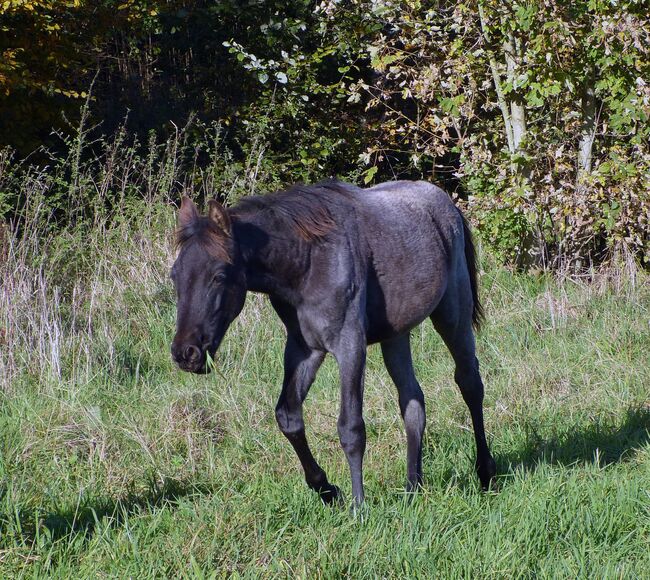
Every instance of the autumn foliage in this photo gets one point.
(535, 114)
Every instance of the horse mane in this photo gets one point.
(304, 209)
(205, 231)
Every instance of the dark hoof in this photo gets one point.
(330, 494)
(486, 471)
(414, 486)
(412, 490)
(359, 510)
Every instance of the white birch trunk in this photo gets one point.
(511, 49)
(588, 126)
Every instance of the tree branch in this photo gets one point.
(501, 99)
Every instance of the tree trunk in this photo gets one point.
(512, 109)
(512, 51)
(496, 78)
(588, 127)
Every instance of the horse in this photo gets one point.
(344, 267)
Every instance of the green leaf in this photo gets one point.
(369, 174)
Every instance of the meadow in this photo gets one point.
(113, 463)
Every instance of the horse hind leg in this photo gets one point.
(397, 356)
(452, 318)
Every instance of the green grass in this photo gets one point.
(115, 464)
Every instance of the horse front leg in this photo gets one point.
(300, 366)
(351, 427)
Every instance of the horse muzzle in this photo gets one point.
(190, 358)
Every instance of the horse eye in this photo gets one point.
(218, 278)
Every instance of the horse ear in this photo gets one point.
(218, 214)
(188, 212)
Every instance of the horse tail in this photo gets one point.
(478, 315)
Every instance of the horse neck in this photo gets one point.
(274, 261)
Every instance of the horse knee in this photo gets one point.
(352, 435)
(288, 423)
(414, 415)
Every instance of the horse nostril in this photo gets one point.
(192, 354)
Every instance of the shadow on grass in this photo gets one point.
(84, 519)
(599, 443)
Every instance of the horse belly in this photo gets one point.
(394, 307)
(407, 277)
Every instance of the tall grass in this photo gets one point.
(113, 463)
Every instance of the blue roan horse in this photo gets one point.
(343, 267)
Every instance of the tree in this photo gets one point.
(39, 49)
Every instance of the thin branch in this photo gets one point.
(501, 99)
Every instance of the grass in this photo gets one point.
(114, 464)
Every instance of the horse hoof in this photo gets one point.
(330, 494)
(486, 473)
(413, 487)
